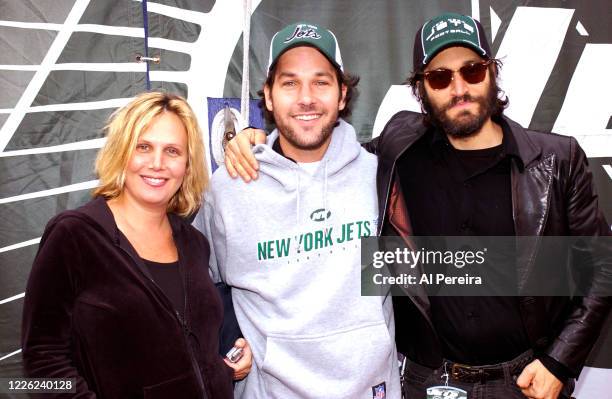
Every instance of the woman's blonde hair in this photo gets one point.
(123, 130)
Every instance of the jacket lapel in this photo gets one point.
(531, 190)
(399, 219)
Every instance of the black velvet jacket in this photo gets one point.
(552, 195)
(92, 312)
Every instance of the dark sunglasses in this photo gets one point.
(472, 73)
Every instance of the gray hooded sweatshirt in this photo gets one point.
(289, 246)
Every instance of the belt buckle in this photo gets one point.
(465, 373)
(457, 368)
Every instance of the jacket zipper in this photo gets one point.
(183, 324)
(194, 363)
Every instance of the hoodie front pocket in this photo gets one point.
(342, 364)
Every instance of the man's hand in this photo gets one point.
(239, 159)
(537, 382)
(242, 366)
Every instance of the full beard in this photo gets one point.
(465, 124)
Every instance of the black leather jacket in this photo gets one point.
(552, 194)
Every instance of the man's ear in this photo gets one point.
(342, 102)
(268, 98)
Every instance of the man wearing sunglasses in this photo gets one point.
(462, 168)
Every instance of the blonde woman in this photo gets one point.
(119, 296)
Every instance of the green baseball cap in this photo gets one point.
(448, 30)
(305, 34)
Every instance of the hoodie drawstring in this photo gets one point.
(325, 196)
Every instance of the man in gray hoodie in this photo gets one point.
(294, 265)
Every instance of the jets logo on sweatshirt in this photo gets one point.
(320, 215)
(314, 240)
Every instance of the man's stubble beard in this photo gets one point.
(465, 124)
(294, 139)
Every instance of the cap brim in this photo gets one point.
(443, 46)
(303, 44)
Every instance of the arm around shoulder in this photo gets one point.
(402, 125)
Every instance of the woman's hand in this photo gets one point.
(242, 366)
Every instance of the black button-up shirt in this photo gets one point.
(450, 192)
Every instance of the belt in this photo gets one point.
(472, 374)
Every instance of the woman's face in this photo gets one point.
(158, 164)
